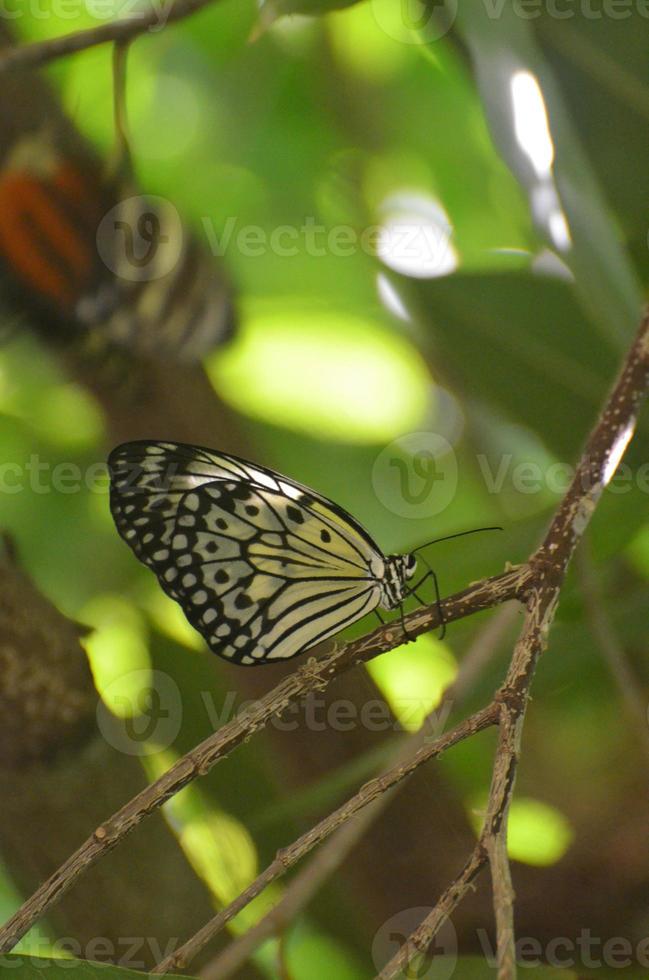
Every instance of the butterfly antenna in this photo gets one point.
(459, 534)
(447, 537)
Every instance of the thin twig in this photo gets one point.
(312, 675)
(333, 853)
(495, 844)
(419, 940)
(503, 899)
(120, 160)
(603, 452)
(609, 644)
(289, 856)
(478, 655)
(40, 53)
(538, 582)
(298, 894)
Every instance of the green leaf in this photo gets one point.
(605, 280)
(520, 342)
(603, 77)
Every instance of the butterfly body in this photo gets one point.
(263, 567)
(398, 569)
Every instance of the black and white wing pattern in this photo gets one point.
(263, 567)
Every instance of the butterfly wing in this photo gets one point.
(262, 566)
(101, 265)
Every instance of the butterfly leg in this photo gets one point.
(440, 610)
(438, 599)
(413, 590)
(379, 617)
(409, 638)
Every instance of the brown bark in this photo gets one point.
(58, 779)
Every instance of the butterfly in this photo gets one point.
(263, 567)
(95, 261)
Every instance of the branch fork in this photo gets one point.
(537, 584)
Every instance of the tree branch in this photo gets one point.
(304, 885)
(421, 938)
(538, 583)
(298, 894)
(40, 53)
(611, 648)
(289, 856)
(495, 843)
(310, 676)
(598, 463)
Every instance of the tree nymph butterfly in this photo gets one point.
(263, 567)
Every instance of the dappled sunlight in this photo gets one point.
(216, 843)
(391, 298)
(61, 412)
(617, 452)
(362, 46)
(117, 649)
(413, 678)
(638, 551)
(332, 375)
(168, 617)
(413, 240)
(531, 122)
(415, 236)
(534, 138)
(538, 833)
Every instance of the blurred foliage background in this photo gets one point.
(503, 159)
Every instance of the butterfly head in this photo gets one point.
(398, 570)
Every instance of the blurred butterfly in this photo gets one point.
(263, 567)
(91, 258)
